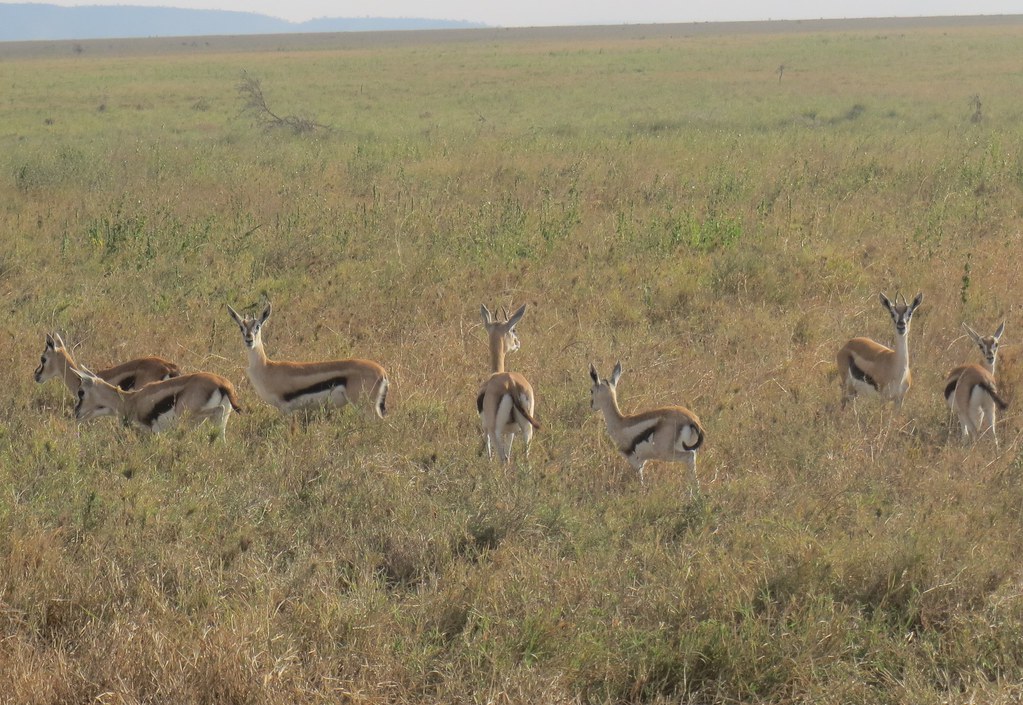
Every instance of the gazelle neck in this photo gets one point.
(902, 351)
(257, 354)
(496, 353)
(126, 404)
(67, 372)
(608, 405)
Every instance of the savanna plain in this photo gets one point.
(717, 210)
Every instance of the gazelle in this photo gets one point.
(671, 433)
(505, 401)
(970, 390)
(988, 345)
(56, 361)
(288, 386)
(157, 406)
(865, 366)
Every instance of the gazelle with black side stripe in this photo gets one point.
(867, 367)
(159, 405)
(988, 345)
(293, 385)
(56, 361)
(971, 390)
(505, 401)
(670, 433)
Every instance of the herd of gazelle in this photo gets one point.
(865, 366)
(153, 394)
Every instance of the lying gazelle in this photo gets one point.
(505, 401)
(671, 433)
(56, 361)
(288, 386)
(157, 406)
(865, 366)
(970, 390)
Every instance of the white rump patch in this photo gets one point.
(216, 399)
(688, 436)
(506, 415)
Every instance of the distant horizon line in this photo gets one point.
(480, 24)
(64, 23)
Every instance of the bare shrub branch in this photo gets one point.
(254, 102)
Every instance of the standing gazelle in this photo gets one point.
(505, 401)
(288, 386)
(970, 390)
(988, 345)
(56, 361)
(865, 366)
(671, 433)
(157, 406)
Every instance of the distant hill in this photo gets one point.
(22, 22)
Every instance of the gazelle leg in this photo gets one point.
(527, 436)
(637, 465)
(989, 417)
(509, 441)
(494, 441)
(694, 481)
(970, 424)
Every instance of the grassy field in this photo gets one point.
(668, 198)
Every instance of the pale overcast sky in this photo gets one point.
(518, 13)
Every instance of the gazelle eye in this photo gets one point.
(81, 394)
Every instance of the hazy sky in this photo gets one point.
(515, 13)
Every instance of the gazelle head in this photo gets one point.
(502, 330)
(54, 359)
(988, 344)
(251, 326)
(901, 313)
(96, 397)
(604, 391)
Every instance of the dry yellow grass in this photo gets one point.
(666, 201)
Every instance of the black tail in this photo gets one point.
(699, 439)
(1002, 404)
(382, 399)
(525, 414)
(231, 397)
(950, 388)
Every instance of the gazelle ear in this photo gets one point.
(234, 315)
(998, 333)
(517, 316)
(917, 300)
(593, 374)
(972, 333)
(485, 315)
(886, 303)
(266, 314)
(616, 374)
(50, 344)
(87, 377)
